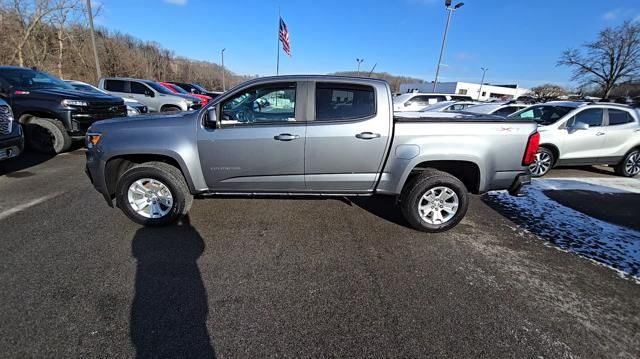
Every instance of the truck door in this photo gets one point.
(260, 145)
(348, 137)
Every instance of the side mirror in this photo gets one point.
(193, 90)
(148, 93)
(408, 103)
(211, 118)
(578, 126)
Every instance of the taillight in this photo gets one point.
(532, 149)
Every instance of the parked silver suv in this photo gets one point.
(582, 133)
(156, 97)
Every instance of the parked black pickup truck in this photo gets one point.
(11, 137)
(51, 111)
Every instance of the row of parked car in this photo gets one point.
(572, 133)
(49, 114)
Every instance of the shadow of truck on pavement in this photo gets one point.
(170, 307)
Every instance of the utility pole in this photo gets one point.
(484, 71)
(224, 85)
(93, 40)
(450, 9)
(359, 62)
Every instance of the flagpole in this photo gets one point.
(278, 47)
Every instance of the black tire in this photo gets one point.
(168, 175)
(48, 136)
(545, 160)
(633, 160)
(170, 109)
(413, 192)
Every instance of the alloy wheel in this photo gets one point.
(438, 205)
(632, 166)
(150, 198)
(541, 165)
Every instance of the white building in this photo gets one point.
(506, 92)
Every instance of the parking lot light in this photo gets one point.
(450, 10)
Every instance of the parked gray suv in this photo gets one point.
(156, 97)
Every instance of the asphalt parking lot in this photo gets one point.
(289, 277)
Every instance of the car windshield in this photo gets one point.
(483, 109)
(156, 86)
(542, 114)
(87, 88)
(402, 98)
(28, 79)
(438, 106)
(199, 88)
(178, 88)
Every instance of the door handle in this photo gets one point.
(367, 135)
(286, 137)
(600, 134)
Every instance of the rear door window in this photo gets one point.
(619, 117)
(342, 102)
(115, 85)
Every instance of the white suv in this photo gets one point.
(580, 133)
(417, 101)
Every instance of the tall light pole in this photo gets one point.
(224, 85)
(359, 62)
(450, 9)
(93, 40)
(484, 71)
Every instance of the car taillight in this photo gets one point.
(532, 149)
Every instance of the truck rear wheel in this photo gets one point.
(434, 201)
(153, 194)
(47, 135)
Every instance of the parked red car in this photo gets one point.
(177, 89)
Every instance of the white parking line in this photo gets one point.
(22, 207)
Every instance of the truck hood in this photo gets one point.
(151, 121)
(71, 95)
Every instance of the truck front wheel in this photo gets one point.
(47, 135)
(434, 201)
(153, 194)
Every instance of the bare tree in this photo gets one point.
(30, 15)
(614, 56)
(548, 92)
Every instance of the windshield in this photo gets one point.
(28, 79)
(542, 114)
(402, 98)
(178, 88)
(199, 88)
(87, 88)
(438, 106)
(484, 109)
(156, 86)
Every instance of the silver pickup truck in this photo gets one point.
(308, 135)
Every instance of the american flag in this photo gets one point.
(284, 37)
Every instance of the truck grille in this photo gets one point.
(6, 120)
(100, 111)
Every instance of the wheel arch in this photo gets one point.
(554, 149)
(467, 172)
(117, 165)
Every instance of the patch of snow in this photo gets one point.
(595, 184)
(614, 246)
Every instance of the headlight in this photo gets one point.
(74, 103)
(132, 111)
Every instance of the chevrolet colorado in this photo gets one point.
(308, 135)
